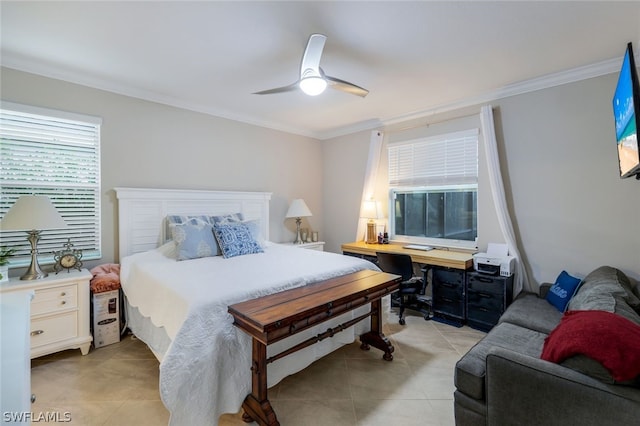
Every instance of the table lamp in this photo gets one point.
(298, 209)
(32, 213)
(371, 210)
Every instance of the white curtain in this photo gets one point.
(521, 280)
(371, 174)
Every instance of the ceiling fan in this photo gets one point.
(313, 80)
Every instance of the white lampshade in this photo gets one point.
(298, 208)
(371, 210)
(32, 212)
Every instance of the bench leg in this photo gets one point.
(256, 405)
(375, 337)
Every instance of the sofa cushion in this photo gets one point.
(470, 369)
(533, 312)
(606, 280)
(595, 369)
(606, 289)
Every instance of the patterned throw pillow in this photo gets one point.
(227, 218)
(194, 240)
(235, 239)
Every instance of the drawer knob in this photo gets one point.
(64, 302)
(37, 332)
(63, 293)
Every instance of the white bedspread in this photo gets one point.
(206, 369)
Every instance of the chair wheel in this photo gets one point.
(402, 321)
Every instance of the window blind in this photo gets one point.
(57, 154)
(450, 159)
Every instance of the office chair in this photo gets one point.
(411, 294)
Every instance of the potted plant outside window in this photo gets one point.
(5, 253)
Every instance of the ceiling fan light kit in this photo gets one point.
(313, 86)
(313, 80)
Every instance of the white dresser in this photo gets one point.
(15, 367)
(59, 311)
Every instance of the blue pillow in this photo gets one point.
(235, 239)
(194, 239)
(563, 290)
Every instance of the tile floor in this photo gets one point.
(118, 384)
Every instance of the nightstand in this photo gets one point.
(317, 245)
(59, 311)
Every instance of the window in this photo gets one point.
(434, 190)
(57, 154)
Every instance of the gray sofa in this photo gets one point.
(503, 381)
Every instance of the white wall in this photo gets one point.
(557, 151)
(145, 144)
(572, 210)
(557, 148)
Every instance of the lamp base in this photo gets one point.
(298, 236)
(34, 272)
(371, 233)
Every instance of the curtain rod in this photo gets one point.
(427, 123)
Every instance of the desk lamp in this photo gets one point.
(371, 210)
(32, 213)
(298, 209)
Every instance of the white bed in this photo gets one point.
(179, 308)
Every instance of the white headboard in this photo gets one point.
(142, 212)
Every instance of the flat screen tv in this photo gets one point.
(626, 110)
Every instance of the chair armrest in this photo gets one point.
(525, 390)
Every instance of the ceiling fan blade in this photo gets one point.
(345, 86)
(282, 89)
(312, 54)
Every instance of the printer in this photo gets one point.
(496, 261)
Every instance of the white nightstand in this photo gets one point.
(59, 311)
(318, 245)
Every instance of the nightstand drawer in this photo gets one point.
(54, 329)
(54, 299)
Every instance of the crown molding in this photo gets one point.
(535, 84)
(34, 67)
(527, 86)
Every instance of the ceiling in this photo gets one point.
(415, 58)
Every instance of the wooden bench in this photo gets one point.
(271, 318)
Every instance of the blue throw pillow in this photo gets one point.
(194, 239)
(563, 290)
(235, 239)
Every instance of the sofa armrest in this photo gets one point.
(524, 390)
(544, 289)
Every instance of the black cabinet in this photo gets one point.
(487, 298)
(448, 287)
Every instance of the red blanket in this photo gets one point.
(610, 339)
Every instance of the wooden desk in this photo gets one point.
(436, 257)
(276, 316)
(448, 270)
